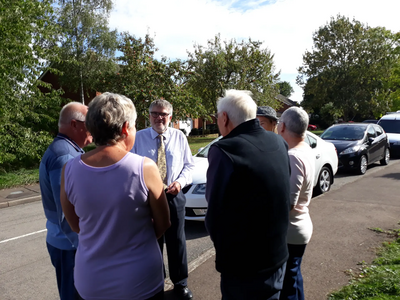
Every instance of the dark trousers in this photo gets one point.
(158, 296)
(64, 262)
(175, 240)
(293, 283)
(260, 287)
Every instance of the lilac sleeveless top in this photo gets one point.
(118, 256)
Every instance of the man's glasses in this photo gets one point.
(155, 114)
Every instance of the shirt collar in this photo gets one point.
(155, 134)
(75, 145)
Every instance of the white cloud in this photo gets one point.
(285, 26)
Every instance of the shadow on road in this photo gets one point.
(395, 176)
(346, 173)
(195, 230)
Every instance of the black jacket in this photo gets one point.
(248, 200)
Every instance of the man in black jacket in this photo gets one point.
(248, 201)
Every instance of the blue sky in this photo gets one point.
(284, 26)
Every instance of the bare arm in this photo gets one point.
(157, 199)
(67, 207)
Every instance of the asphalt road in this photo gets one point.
(25, 268)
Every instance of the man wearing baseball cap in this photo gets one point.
(267, 117)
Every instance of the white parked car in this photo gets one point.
(326, 167)
(391, 124)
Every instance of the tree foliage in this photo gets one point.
(285, 89)
(143, 78)
(230, 65)
(87, 44)
(349, 68)
(27, 45)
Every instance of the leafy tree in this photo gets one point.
(26, 114)
(230, 65)
(349, 67)
(143, 78)
(285, 89)
(394, 86)
(87, 45)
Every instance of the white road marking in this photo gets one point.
(21, 236)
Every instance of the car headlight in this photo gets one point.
(351, 150)
(200, 189)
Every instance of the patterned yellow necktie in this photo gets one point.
(161, 161)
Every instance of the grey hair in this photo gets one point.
(106, 115)
(238, 105)
(66, 115)
(296, 120)
(161, 103)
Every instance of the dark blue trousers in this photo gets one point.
(64, 262)
(158, 296)
(293, 284)
(260, 287)
(175, 240)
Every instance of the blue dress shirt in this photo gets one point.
(179, 158)
(59, 233)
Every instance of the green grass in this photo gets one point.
(197, 142)
(381, 280)
(18, 178)
(317, 132)
(31, 176)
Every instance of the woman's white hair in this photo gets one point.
(238, 105)
(296, 120)
(106, 115)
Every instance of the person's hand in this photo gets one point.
(174, 188)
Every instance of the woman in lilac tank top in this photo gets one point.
(115, 200)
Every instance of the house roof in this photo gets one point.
(286, 100)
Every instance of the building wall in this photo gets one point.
(51, 78)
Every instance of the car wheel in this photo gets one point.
(363, 165)
(324, 181)
(385, 160)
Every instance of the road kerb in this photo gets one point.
(3, 204)
(193, 265)
(23, 201)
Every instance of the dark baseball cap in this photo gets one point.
(267, 111)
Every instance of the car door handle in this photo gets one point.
(318, 156)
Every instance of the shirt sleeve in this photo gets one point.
(185, 177)
(296, 178)
(55, 182)
(220, 169)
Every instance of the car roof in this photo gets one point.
(393, 116)
(352, 124)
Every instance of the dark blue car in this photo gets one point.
(358, 145)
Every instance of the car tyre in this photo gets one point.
(324, 181)
(363, 165)
(385, 160)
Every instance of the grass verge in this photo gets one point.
(380, 280)
(18, 178)
(31, 176)
(197, 142)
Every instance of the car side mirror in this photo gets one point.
(370, 140)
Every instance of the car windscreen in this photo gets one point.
(390, 126)
(348, 133)
(204, 152)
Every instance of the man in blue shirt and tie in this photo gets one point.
(169, 148)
